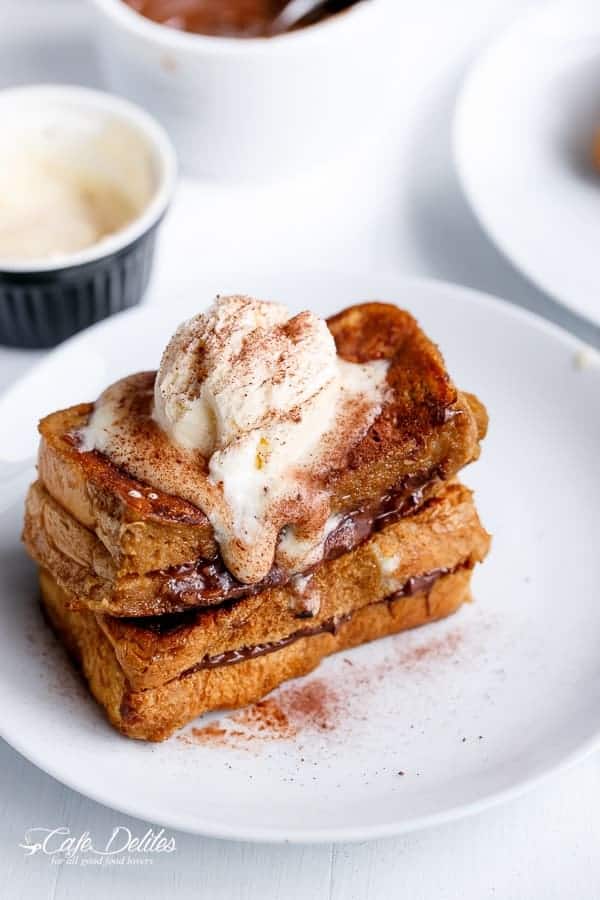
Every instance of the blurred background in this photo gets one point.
(389, 199)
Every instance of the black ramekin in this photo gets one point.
(42, 304)
(42, 309)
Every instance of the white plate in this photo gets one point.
(522, 139)
(472, 710)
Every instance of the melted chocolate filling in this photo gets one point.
(417, 584)
(208, 582)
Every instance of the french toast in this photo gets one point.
(280, 489)
(426, 432)
(154, 714)
(81, 564)
(445, 535)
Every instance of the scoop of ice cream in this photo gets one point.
(264, 398)
(241, 366)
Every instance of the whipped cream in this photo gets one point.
(254, 404)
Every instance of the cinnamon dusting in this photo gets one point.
(320, 705)
(249, 413)
(312, 707)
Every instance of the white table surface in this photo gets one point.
(400, 208)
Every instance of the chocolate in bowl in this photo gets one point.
(253, 108)
(229, 18)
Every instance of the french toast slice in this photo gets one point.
(154, 714)
(426, 432)
(444, 533)
(142, 528)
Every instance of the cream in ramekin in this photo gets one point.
(85, 179)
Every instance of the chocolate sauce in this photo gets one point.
(207, 583)
(417, 584)
(229, 18)
(211, 583)
(230, 657)
(402, 500)
(420, 584)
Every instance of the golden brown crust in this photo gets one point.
(442, 534)
(422, 391)
(154, 714)
(104, 541)
(141, 534)
(427, 430)
(446, 536)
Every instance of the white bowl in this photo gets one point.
(251, 107)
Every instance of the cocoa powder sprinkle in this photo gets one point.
(320, 705)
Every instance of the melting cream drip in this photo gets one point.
(266, 400)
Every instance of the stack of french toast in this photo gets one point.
(204, 533)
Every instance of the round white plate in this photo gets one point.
(523, 134)
(471, 710)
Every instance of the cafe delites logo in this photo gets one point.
(121, 847)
